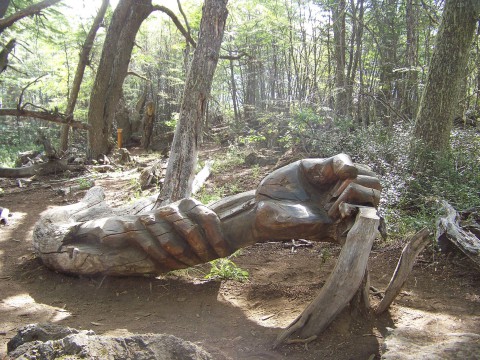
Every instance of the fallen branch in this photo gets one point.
(51, 167)
(405, 265)
(48, 116)
(202, 176)
(449, 229)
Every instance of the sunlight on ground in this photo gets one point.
(26, 306)
(16, 218)
(50, 207)
(420, 332)
(271, 314)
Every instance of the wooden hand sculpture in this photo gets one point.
(307, 199)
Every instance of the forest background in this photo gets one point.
(321, 77)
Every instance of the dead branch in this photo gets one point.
(449, 229)
(19, 105)
(48, 116)
(405, 265)
(177, 23)
(143, 77)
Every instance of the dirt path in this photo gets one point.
(229, 319)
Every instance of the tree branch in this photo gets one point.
(48, 116)
(184, 17)
(31, 10)
(177, 23)
(133, 73)
(19, 105)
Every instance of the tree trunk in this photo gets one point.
(4, 55)
(386, 13)
(435, 116)
(113, 67)
(82, 64)
(183, 154)
(148, 119)
(338, 17)
(410, 93)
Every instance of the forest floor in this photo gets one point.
(439, 304)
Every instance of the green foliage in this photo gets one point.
(209, 195)
(21, 136)
(233, 158)
(226, 269)
(85, 183)
(135, 189)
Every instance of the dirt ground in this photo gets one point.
(231, 320)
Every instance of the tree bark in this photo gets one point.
(183, 154)
(4, 54)
(338, 18)
(112, 70)
(435, 116)
(82, 64)
(148, 119)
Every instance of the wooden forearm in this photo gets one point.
(301, 200)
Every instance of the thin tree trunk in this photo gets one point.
(183, 154)
(410, 96)
(338, 17)
(82, 64)
(234, 88)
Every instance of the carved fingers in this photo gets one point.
(363, 190)
(176, 236)
(324, 172)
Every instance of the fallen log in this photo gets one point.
(44, 115)
(202, 176)
(405, 265)
(50, 167)
(450, 231)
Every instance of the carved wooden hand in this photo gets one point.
(304, 200)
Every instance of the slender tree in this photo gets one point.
(183, 153)
(82, 64)
(338, 18)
